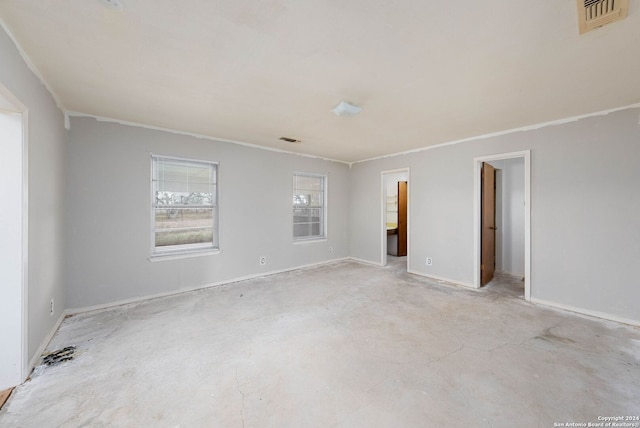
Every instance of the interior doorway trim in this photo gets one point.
(383, 214)
(11, 104)
(477, 166)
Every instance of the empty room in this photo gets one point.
(319, 213)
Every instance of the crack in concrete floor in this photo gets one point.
(242, 394)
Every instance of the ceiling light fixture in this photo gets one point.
(346, 109)
(114, 4)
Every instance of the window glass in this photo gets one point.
(308, 206)
(185, 208)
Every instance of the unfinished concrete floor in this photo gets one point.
(343, 345)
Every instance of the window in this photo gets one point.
(309, 208)
(184, 204)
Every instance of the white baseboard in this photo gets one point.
(446, 281)
(518, 276)
(45, 343)
(595, 314)
(106, 306)
(442, 280)
(365, 262)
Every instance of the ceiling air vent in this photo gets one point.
(289, 140)
(596, 13)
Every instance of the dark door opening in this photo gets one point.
(488, 221)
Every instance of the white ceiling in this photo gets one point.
(425, 72)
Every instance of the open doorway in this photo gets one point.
(13, 248)
(395, 218)
(502, 222)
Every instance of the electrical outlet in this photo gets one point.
(51, 308)
(429, 261)
(263, 260)
(330, 250)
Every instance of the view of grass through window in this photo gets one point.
(185, 208)
(308, 206)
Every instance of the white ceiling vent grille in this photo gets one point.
(596, 13)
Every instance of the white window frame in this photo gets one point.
(185, 250)
(325, 210)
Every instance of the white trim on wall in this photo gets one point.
(477, 165)
(106, 306)
(365, 262)
(34, 70)
(20, 108)
(504, 132)
(26, 369)
(195, 135)
(586, 312)
(445, 281)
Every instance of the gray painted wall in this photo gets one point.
(46, 162)
(585, 227)
(584, 213)
(108, 213)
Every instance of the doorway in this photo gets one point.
(395, 217)
(13, 247)
(502, 218)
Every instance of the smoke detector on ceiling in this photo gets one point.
(346, 109)
(596, 13)
(114, 4)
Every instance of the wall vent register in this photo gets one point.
(596, 13)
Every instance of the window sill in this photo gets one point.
(309, 241)
(182, 255)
